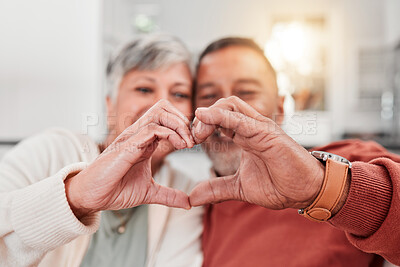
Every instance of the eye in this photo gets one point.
(144, 90)
(208, 96)
(181, 95)
(246, 92)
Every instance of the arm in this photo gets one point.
(35, 215)
(277, 173)
(119, 178)
(371, 213)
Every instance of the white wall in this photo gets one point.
(392, 22)
(49, 64)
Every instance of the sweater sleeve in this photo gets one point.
(371, 213)
(34, 211)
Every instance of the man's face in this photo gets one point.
(141, 89)
(241, 72)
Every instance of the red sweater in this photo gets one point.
(241, 234)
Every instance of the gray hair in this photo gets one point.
(149, 52)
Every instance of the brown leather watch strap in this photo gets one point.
(331, 192)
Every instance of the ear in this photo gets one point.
(280, 111)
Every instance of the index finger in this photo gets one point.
(201, 131)
(235, 121)
(236, 104)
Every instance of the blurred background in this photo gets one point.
(338, 61)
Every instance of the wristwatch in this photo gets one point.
(336, 170)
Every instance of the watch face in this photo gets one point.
(322, 155)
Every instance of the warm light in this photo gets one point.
(291, 43)
(296, 51)
(294, 43)
(274, 54)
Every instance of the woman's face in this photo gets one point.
(139, 90)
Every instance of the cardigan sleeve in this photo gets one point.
(34, 211)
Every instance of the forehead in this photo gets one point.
(234, 62)
(172, 72)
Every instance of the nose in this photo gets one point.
(227, 92)
(162, 94)
(159, 94)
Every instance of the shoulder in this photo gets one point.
(55, 140)
(49, 151)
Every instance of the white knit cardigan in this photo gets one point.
(37, 226)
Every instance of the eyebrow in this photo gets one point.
(248, 80)
(150, 79)
(206, 85)
(180, 84)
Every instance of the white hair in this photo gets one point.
(149, 52)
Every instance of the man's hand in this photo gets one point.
(121, 176)
(275, 172)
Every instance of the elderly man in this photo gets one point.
(258, 163)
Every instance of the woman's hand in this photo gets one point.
(121, 176)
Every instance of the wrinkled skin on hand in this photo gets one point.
(275, 172)
(121, 176)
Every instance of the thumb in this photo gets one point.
(201, 131)
(168, 196)
(215, 190)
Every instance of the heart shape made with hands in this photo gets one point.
(121, 176)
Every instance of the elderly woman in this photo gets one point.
(53, 185)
